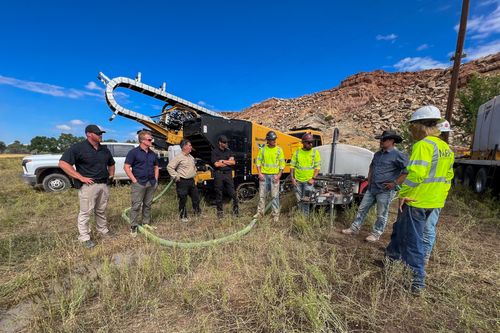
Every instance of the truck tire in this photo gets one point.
(246, 191)
(459, 175)
(470, 176)
(481, 181)
(56, 182)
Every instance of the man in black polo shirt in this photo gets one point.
(223, 161)
(141, 166)
(95, 168)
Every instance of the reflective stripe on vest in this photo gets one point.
(299, 167)
(266, 165)
(430, 174)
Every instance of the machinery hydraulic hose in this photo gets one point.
(229, 238)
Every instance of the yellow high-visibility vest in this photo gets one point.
(270, 160)
(430, 172)
(304, 162)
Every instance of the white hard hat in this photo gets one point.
(445, 126)
(426, 112)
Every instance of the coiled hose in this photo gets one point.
(166, 242)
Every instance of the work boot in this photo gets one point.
(350, 231)
(220, 214)
(236, 212)
(184, 220)
(89, 244)
(133, 231)
(372, 238)
(109, 235)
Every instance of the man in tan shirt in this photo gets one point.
(182, 168)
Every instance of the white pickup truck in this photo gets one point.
(43, 170)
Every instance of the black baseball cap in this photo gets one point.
(94, 129)
(223, 138)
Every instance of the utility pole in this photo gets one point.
(456, 62)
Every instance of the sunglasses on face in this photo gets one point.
(148, 140)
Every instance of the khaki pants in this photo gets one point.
(93, 199)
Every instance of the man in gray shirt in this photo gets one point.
(387, 172)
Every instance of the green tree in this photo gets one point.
(43, 144)
(3, 146)
(109, 140)
(17, 147)
(478, 91)
(131, 141)
(66, 140)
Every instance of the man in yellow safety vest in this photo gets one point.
(304, 167)
(270, 164)
(425, 189)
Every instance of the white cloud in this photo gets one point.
(482, 50)
(487, 3)
(480, 27)
(63, 127)
(205, 104)
(46, 88)
(386, 37)
(76, 122)
(93, 86)
(423, 47)
(418, 64)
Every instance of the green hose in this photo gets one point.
(229, 238)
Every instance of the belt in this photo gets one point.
(224, 171)
(101, 181)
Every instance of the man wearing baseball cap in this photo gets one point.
(95, 169)
(224, 162)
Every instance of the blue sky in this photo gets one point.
(224, 55)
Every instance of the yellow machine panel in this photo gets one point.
(287, 142)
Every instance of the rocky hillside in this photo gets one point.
(366, 103)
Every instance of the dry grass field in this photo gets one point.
(294, 276)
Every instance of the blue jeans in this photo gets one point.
(407, 242)
(429, 237)
(383, 201)
(300, 191)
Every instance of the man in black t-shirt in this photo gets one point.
(95, 168)
(223, 161)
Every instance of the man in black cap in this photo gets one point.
(95, 169)
(223, 162)
(387, 172)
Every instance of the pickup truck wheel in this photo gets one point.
(481, 179)
(56, 182)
